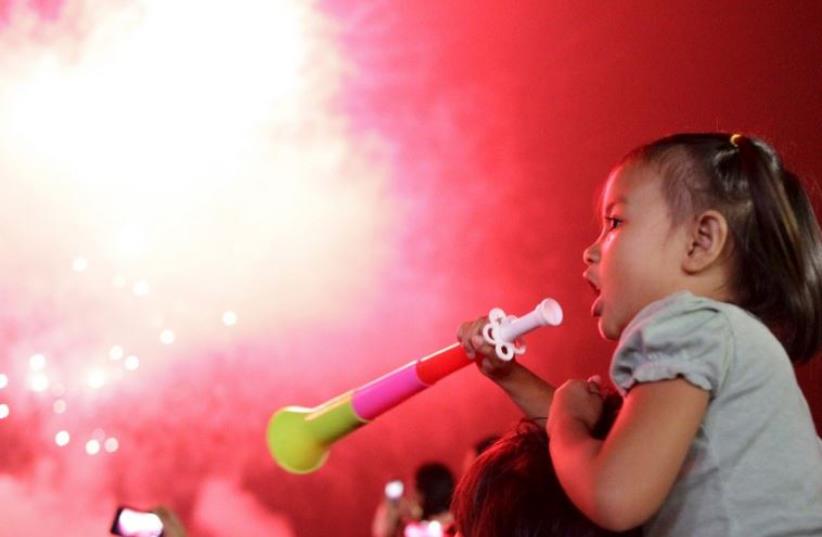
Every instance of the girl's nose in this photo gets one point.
(591, 254)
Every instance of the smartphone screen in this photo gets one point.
(130, 522)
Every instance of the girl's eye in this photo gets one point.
(611, 223)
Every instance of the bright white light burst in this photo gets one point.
(236, 176)
(62, 438)
(229, 318)
(93, 447)
(111, 444)
(141, 288)
(116, 352)
(37, 362)
(79, 264)
(132, 363)
(167, 337)
(38, 382)
(96, 378)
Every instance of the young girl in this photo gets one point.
(708, 272)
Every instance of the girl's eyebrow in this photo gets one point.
(613, 203)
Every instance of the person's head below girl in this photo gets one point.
(435, 487)
(715, 214)
(511, 489)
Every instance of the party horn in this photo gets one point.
(300, 438)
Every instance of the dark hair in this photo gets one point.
(482, 445)
(775, 239)
(435, 484)
(511, 490)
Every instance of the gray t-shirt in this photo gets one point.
(755, 466)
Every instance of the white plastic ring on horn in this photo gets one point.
(503, 330)
(506, 350)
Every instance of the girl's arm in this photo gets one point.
(622, 481)
(528, 391)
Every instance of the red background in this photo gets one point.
(501, 120)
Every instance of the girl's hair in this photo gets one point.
(776, 246)
(511, 490)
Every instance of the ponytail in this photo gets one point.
(780, 251)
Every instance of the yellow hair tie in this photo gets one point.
(735, 139)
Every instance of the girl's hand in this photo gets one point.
(470, 336)
(577, 400)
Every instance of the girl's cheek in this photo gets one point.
(608, 240)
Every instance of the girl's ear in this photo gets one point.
(707, 240)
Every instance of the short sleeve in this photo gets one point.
(680, 336)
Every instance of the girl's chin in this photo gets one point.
(606, 330)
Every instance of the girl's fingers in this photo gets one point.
(594, 384)
(469, 335)
(464, 338)
(464, 335)
(462, 331)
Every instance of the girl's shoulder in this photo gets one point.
(683, 313)
(684, 335)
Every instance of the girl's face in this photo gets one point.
(637, 258)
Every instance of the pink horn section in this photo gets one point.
(386, 392)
